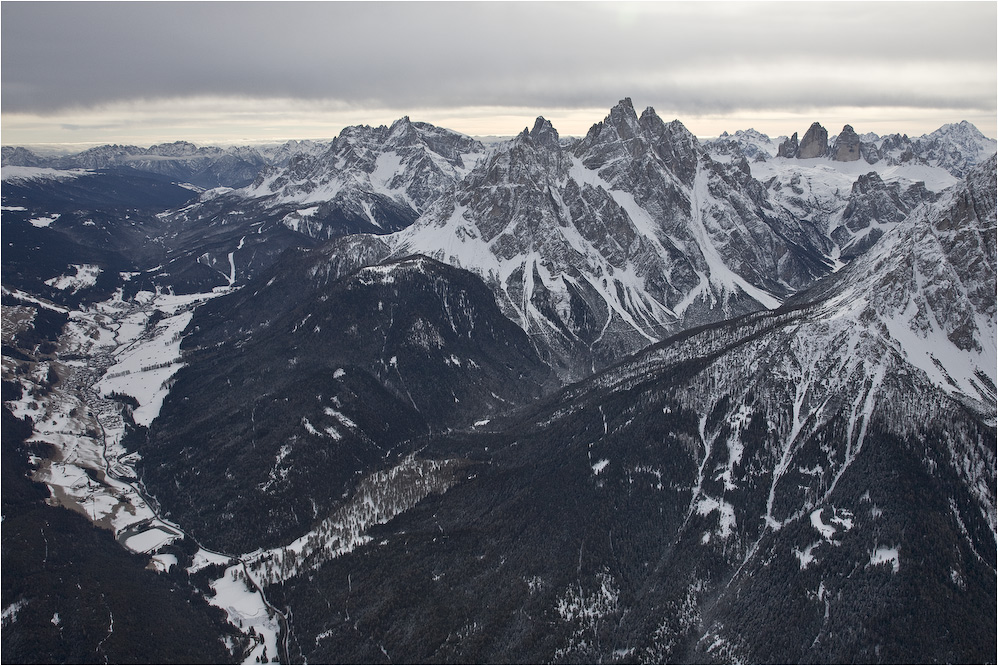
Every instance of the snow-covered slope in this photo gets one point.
(955, 148)
(751, 144)
(839, 196)
(408, 163)
(633, 233)
(928, 288)
(20, 174)
(204, 166)
(829, 195)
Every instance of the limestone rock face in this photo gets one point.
(874, 208)
(600, 248)
(814, 143)
(847, 146)
(789, 147)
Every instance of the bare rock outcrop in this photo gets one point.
(847, 146)
(814, 143)
(789, 147)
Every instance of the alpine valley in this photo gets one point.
(408, 396)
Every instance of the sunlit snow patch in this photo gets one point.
(42, 222)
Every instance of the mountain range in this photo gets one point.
(627, 397)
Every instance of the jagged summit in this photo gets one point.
(789, 147)
(847, 146)
(621, 122)
(599, 249)
(814, 143)
(545, 134)
(955, 147)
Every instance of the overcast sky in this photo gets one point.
(146, 72)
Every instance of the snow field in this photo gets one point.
(86, 275)
(42, 222)
(238, 596)
(21, 173)
(144, 367)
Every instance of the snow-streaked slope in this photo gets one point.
(632, 234)
(928, 286)
(15, 174)
(410, 163)
(874, 346)
(819, 191)
(368, 180)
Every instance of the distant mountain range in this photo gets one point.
(629, 397)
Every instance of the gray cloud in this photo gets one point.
(694, 57)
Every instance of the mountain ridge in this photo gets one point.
(631, 397)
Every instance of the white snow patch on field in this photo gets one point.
(149, 540)
(885, 555)
(145, 366)
(164, 561)
(238, 596)
(86, 276)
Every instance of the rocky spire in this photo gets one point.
(814, 143)
(847, 146)
(402, 131)
(789, 147)
(544, 133)
(623, 119)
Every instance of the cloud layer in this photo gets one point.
(692, 58)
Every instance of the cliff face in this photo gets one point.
(847, 146)
(789, 147)
(814, 143)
